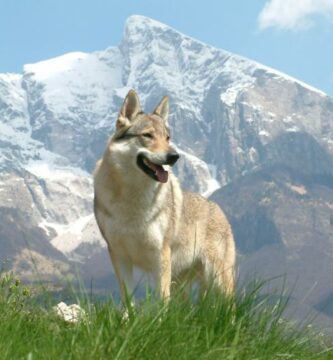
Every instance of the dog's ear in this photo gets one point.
(131, 107)
(162, 109)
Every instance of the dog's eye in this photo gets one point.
(168, 138)
(148, 135)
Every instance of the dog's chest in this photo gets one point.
(138, 235)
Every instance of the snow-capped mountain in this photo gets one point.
(230, 117)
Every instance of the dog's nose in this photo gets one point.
(172, 157)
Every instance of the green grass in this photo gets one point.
(214, 328)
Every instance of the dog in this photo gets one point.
(145, 217)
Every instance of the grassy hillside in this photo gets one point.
(249, 327)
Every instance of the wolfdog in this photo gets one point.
(145, 217)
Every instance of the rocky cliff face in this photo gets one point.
(264, 137)
(283, 225)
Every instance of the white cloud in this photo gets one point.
(293, 14)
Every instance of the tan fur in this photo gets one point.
(156, 226)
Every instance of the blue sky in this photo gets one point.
(293, 36)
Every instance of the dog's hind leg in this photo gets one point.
(218, 270)
(228, 278)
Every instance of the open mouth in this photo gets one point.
(155, 171)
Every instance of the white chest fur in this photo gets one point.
(137, 226)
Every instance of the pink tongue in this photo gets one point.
(161, 174)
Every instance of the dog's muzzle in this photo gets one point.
(152, 164)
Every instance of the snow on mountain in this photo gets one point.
(76, 81)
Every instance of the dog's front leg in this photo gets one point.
(124, 271)
(165, 272)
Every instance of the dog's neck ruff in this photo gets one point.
(137, 188)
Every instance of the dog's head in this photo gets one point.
(144, 138)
